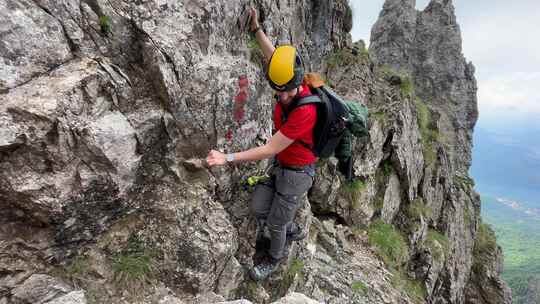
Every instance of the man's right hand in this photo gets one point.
(216, 158)
(254, 23)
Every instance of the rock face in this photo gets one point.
(427, 46)
(486, 282)
(107, 109)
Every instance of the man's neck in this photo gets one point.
(298, 91)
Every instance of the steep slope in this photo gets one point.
(109, 106)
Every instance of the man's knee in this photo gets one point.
(276, 226)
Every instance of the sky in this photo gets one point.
(502, 39)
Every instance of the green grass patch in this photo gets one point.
(359, 287)
(78, 268)
(390, 245)
(438, 243)
(341, 57)
(430, 155)
(296, 268)
(379, 203)
(428, 131)
(359, 49)
(464, 181)
(364, 52)
(413, 288)
(78, 272)
(484, 246)
(387, 168)
(253, 44)
(387, 71)
(378, 116)
(134, 266)
(423, 114)
(354, 186)
(485, 239)
(353, 191)
(418, 209)
(105, 24)
(249, 290)
(133, 269)
(406, 86)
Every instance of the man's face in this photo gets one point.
(287, 96)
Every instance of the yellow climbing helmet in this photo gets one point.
(285, 69)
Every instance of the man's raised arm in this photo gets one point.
(262, 39)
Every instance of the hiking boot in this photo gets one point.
(264, 269)
(298, 235)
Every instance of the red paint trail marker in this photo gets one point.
(228, 135)
(241, 98)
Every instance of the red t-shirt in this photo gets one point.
(299, 126)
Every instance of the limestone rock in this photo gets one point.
(39, 288)
(296, 298)
(74, 297)
(33, 43)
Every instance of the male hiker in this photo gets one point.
(274, 202)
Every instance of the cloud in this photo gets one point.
(534, 153)
(515, 92)
(502, 40)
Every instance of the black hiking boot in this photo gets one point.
(264, 269)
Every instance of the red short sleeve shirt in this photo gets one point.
(298, 127)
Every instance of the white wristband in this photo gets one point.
(230, 157)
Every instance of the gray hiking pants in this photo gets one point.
(276, 200)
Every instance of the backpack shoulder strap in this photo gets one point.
(308, 99)
(298, 103)
(312, 99)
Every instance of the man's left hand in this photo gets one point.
(216, 158)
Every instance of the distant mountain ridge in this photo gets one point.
(506, 161)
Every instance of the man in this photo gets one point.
(274, 202)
